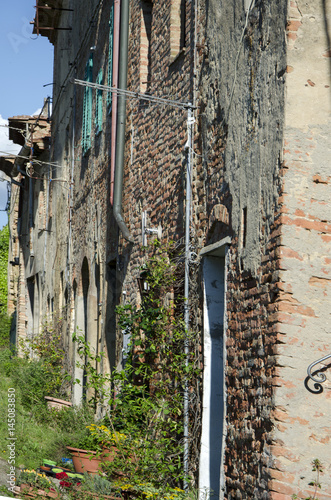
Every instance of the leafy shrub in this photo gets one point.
(5, 320)
(147, 397)
(47, 347)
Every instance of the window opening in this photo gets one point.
(98, 104)
(145, 45)
(177, 27)
(87, 107)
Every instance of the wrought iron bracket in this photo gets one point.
(319, 377)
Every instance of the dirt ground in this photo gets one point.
(4, 470)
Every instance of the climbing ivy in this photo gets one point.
(146, 402)
(4, 246)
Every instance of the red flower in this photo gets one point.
(65, 484)
(61, 475)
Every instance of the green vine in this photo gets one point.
(147, 397)
(97, 384)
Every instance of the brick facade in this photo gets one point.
(257, 76)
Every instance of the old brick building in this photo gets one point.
(223, 144)
(30, 174)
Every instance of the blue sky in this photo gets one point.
(27, 65)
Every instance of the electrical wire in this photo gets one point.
(86, 40)
(134, 95)
(35, 160)
(14, 128)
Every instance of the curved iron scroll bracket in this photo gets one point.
(319, 377)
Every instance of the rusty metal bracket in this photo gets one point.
(319, 377)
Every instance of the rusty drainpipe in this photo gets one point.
(121, 119)
(116, 36)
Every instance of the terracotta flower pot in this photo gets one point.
(57, 404)
(27, 490)
(45, 469)
(84, 460)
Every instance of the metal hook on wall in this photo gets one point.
(319, 377)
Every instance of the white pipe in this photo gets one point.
(190, 121)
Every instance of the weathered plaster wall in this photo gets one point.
(243, 94)
(302, 413)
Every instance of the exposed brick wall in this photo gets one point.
(270, 201)
(156, 135)
(155, 182)
(251, 339)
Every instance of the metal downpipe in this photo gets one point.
(121, 119)
(116, 36)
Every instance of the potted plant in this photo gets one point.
(85, 460)
(109, 441)
(85, 452)
(32, 483)
(99, 487)
(98, 444)
(69, 480)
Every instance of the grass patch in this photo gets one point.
(40, 433)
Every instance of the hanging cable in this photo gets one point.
(134, 95)
(50, 164)
(14, 128)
